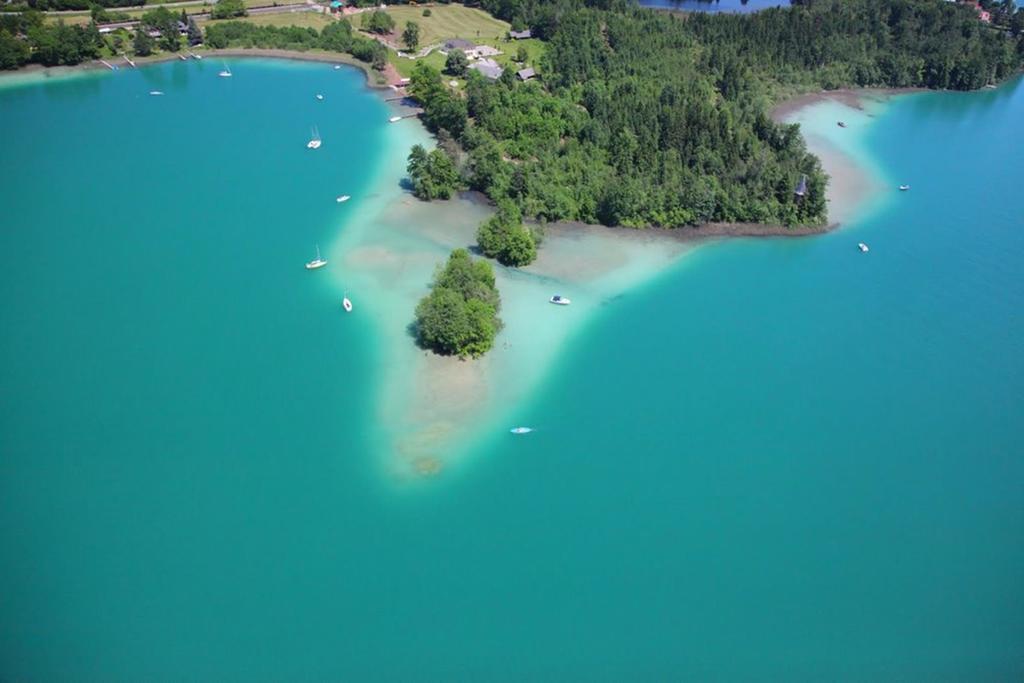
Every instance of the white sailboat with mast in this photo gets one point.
(317, 262)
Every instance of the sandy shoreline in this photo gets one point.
(251, 53)
(850, 97)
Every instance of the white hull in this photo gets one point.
(394, 119)
(560, 301)
(521, 430)
(225, 74)
(313, 265)
(313, 144)
(346, 304)
(319, 96)
(343, 198)
(863, 247)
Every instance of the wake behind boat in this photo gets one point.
(317, 262)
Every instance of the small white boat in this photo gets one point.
(319, 96)
(346, 303)
(560, 300)
(226, 73)
(521, 430)
(904, 188)
(337, 66)
(156, 92)
(343, 198)
(863, 247)
(394, 119)
(314, 142)
(197, 56)
(317, 262)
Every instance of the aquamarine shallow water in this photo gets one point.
(784, 460)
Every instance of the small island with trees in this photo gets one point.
(459, 317)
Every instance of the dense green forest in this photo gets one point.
(460, 315)
(649, 118)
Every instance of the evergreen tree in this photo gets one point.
(411, 35)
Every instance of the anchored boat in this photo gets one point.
(559, 300)
(317, 262)
(314, 142)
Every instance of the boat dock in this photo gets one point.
(128, 59)
(108, 65)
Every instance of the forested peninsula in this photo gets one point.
(648, 118)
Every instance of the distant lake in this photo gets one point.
(716, 5)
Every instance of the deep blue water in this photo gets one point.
(716, 5)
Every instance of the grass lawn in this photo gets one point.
(445, 22)
(301, 19)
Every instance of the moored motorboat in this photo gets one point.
(226, 72)
(319, 96)
(863, 247)
(394, 119)
(317, 262)
(560, 300)
(346, 303)
(343, 198)
(904, 188)
(521, 430)
(314, 142)
(841, 124)
(156, 92)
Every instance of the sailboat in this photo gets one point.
(314, 142)
(317, 262)
(226, 72)
(346, 303)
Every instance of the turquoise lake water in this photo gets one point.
(782, 460)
